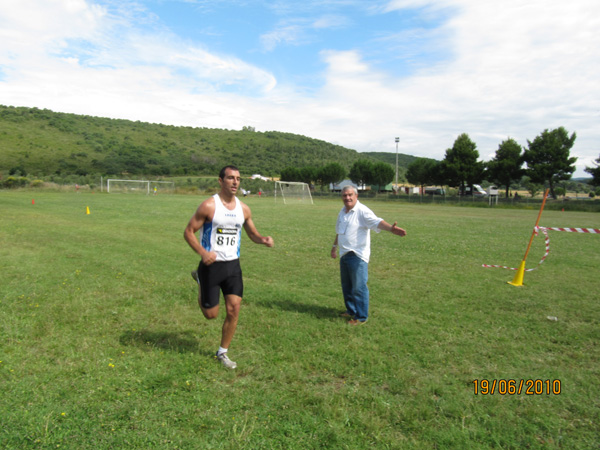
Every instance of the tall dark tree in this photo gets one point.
(423, 172)
(331, 173)
(460, 166)
(290, 174)
(507, 165)
(595, 173)
(548, 157)
(382, 174)
(361, 172)
(308, 174)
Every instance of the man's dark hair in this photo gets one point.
(222, 172)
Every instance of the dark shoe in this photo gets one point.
(356, 322)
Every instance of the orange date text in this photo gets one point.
(517, 387)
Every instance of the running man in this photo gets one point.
(221, 218)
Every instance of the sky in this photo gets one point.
(356, 73)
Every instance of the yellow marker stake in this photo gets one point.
(518, 279)
(87, 209)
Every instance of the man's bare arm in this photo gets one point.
(203, 214)
(383, 225)
(251, 230)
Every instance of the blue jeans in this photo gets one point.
(354, 275)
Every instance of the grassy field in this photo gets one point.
(103, 345)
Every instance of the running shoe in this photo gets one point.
(226, 361)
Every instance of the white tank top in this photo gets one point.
(224, 234)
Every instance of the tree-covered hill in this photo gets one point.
(390, 158)
(39, 142)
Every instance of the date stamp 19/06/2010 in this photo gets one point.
(517, 387)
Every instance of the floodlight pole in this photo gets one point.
(397, 140)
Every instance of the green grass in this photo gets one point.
(103, 345)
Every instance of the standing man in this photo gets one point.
(353, 227)
(221, 218)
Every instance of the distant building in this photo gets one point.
(387, 188)
(337, 187)
(258, 176)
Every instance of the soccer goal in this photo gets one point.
(127, 186)
(139, 186)
(292, 192)
(162, 187)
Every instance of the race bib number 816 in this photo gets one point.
(226, 237)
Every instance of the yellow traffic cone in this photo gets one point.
(87, 209)
(518, 279)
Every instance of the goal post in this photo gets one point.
(114, 185)
(292, 192)
(157, 187)
(127, 186)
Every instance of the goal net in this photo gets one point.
(292, 192)
(139, 186)
(162, 187)
(127, 186)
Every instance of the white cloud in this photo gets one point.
(299, 30)
(516, 70)
(99, 55)
(331, 21)
(31, 24)
(283, 34)
(512, 69)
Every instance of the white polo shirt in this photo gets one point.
(353, 229)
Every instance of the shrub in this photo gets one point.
(15, 182)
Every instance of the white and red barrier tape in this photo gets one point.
(572, 230)
(547, 241)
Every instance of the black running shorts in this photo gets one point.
(225, 276)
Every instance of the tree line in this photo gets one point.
(547, 159)
(63, 147)
(362, 172)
